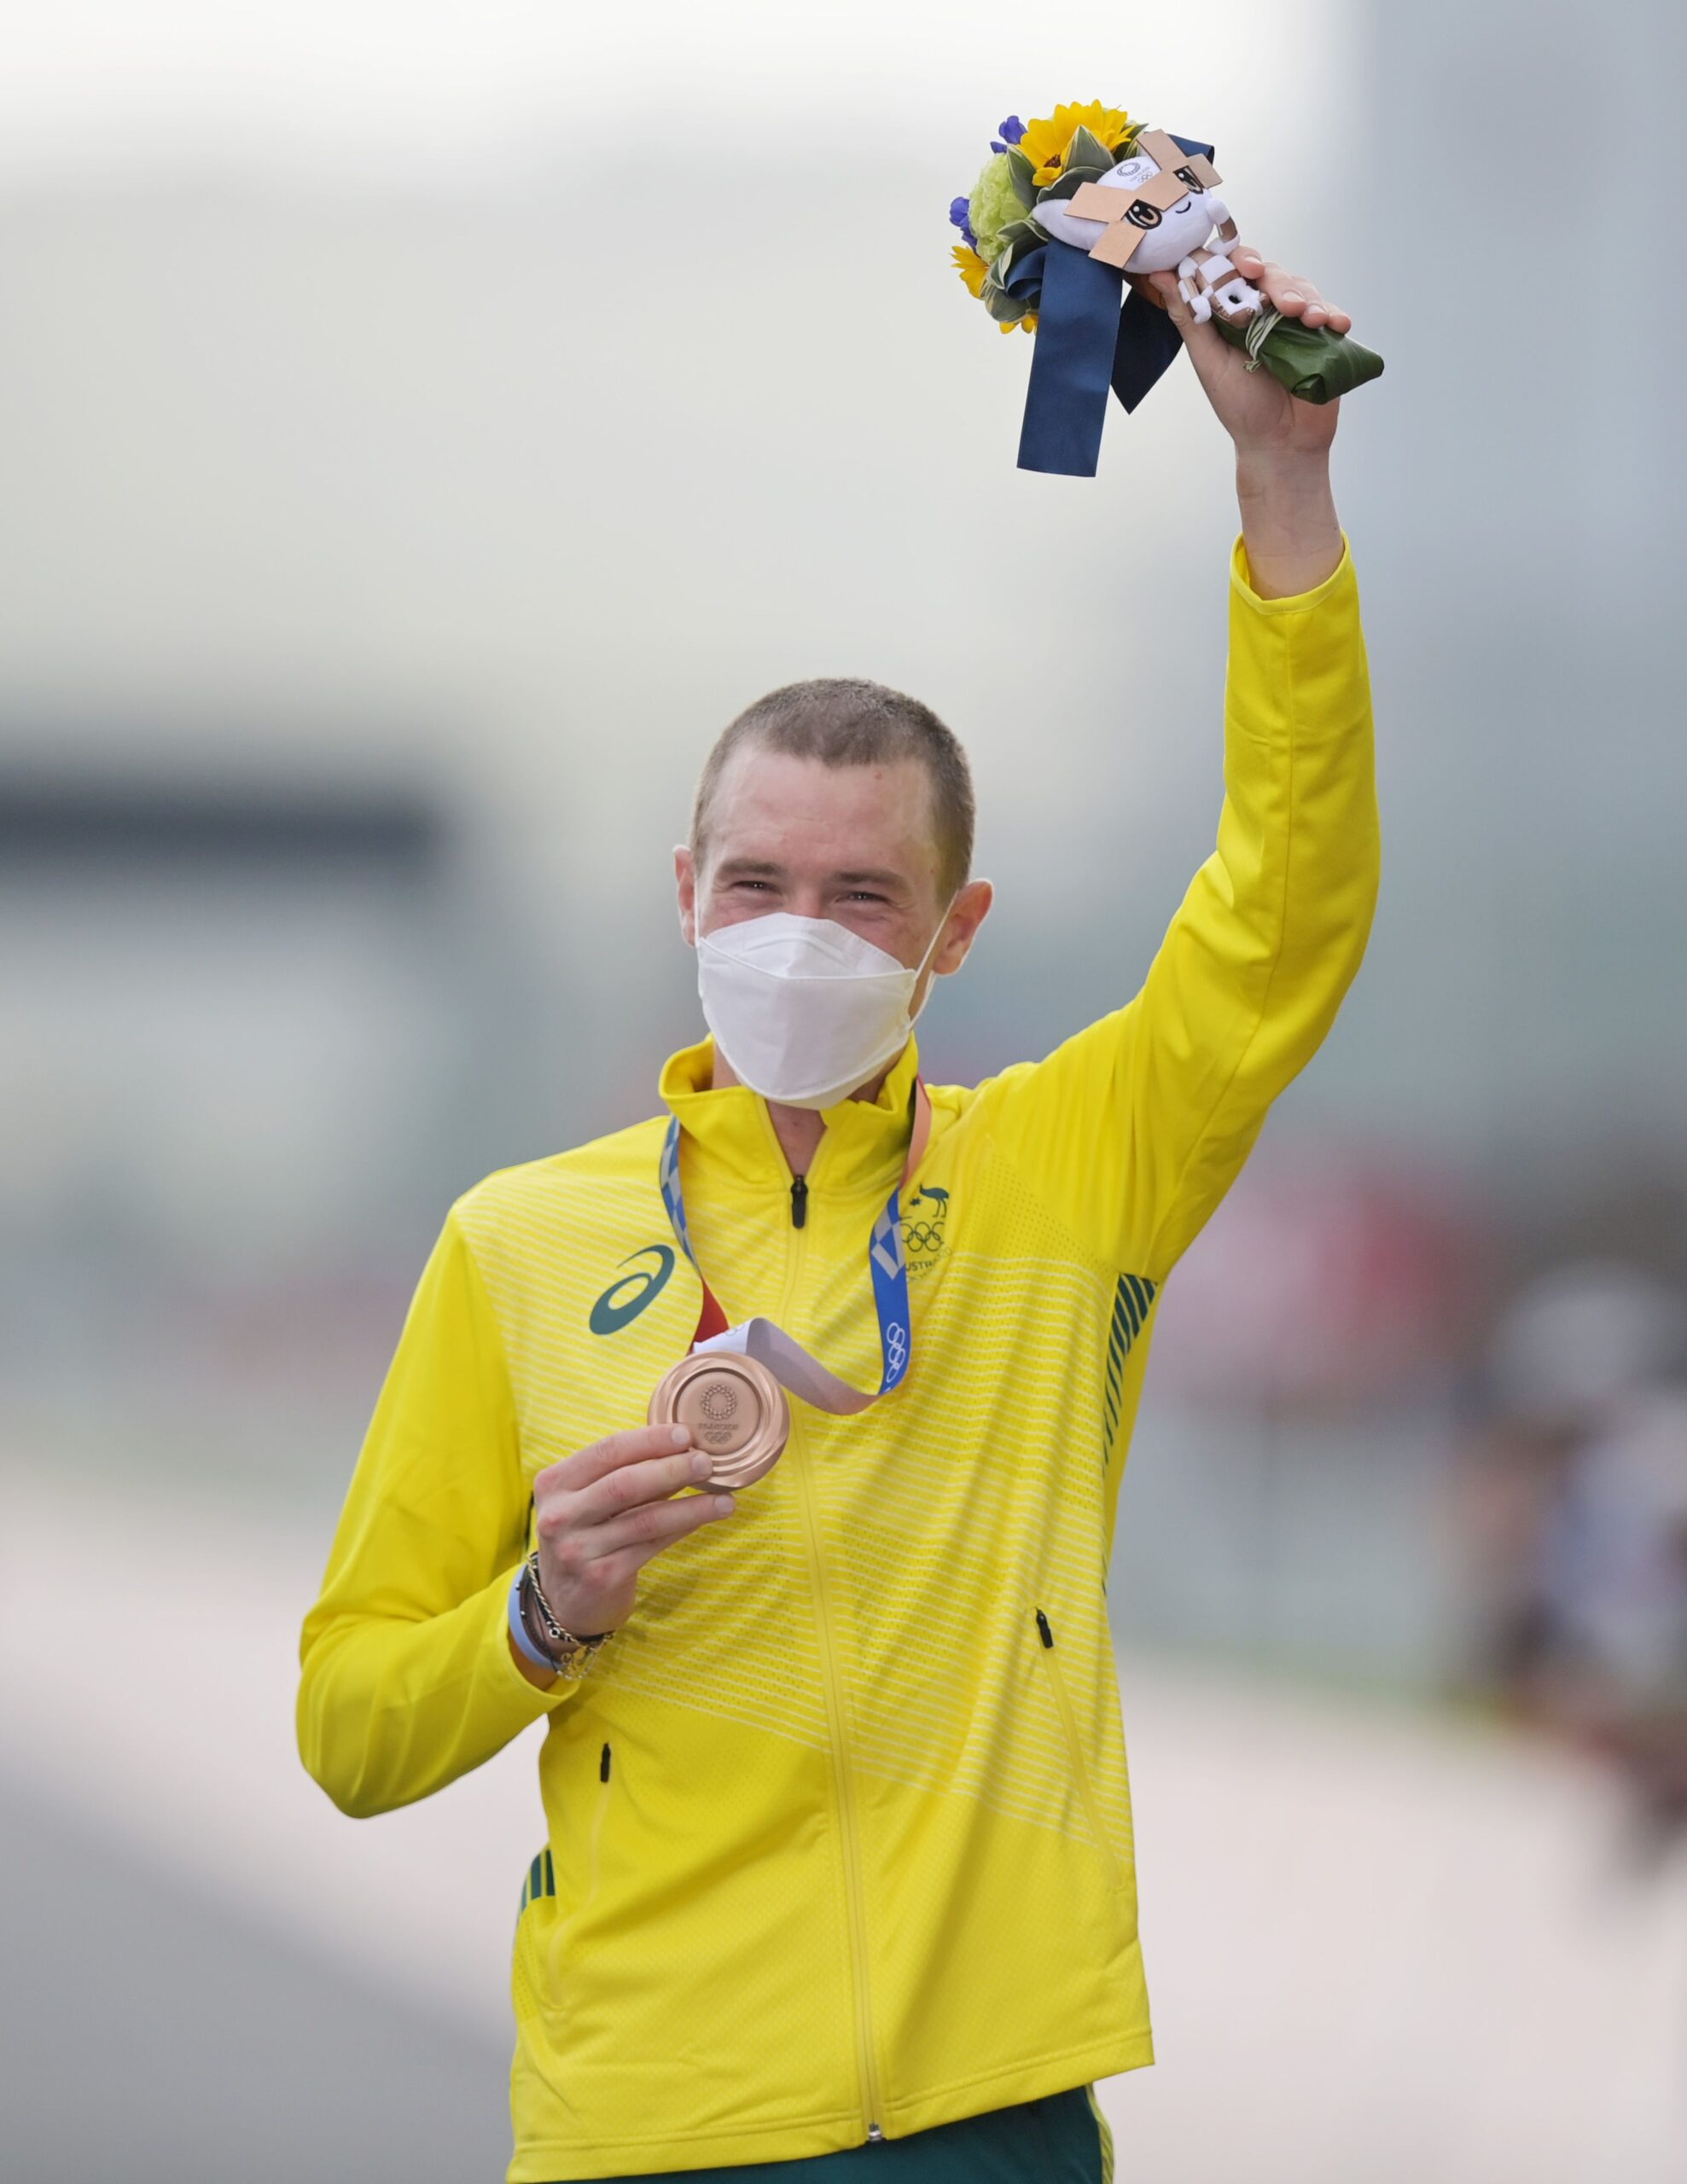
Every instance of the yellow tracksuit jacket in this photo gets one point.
(838, 1829)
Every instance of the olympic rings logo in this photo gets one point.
(922, 1232)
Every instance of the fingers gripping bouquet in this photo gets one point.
(1068, 218)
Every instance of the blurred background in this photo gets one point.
(420, 428)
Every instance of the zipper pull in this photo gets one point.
(1043, 1629)
(603, 1766)
(799, 1201)
(875, 2137)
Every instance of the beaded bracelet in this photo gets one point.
(553, 1627)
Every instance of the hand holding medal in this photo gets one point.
(602, 1514)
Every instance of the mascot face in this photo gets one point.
(1182, 227)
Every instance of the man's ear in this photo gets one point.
(970, 909)
(685, 885)
(960, 929)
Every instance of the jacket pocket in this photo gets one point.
(549, 1916)
(1074, 1745)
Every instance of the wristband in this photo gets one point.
(518, 1627)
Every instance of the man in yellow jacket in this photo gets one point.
(838, 1871)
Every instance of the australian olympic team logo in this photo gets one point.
(922, 1226)
(629, 1293)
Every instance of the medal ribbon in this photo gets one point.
(790, 1364)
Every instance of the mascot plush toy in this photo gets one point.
(1064, 225)
(1164, 217)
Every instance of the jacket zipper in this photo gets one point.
(1069, 1722)
(799, 1201)
(847, 1821)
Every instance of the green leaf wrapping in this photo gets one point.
(1313, 363)
(1023, 177)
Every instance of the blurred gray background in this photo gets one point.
(420, 430)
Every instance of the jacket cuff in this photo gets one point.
(1241, 583)
(533, 1700)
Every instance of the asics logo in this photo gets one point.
(629, 1293)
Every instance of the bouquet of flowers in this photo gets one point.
(1067, 219)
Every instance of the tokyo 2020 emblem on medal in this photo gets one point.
(735, 1409)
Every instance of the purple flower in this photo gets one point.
(1008, 132)
(960, 217)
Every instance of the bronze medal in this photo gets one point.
(735, 1410)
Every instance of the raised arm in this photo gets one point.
(1133, 1129)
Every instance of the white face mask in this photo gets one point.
(804, 1009)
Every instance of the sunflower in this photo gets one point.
(1045, 143)
(971, 268)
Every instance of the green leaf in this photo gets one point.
(1004, 309)
(1023, 176)
(1067, 185)
(1023, 239)
(1087, 156)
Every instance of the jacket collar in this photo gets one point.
(865, 1143)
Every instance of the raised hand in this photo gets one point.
(1289, 519)
(1260, 416)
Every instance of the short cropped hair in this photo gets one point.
(846, 721)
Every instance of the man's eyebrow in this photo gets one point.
(871, 879)
(756, 867)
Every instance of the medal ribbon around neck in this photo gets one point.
(790, 1364)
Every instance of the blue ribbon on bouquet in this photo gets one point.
(1086, 344)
